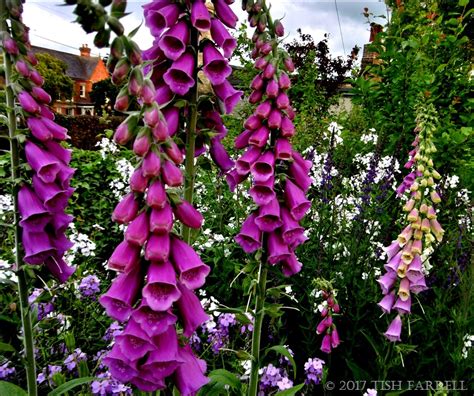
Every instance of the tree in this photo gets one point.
(103, 95)
(56, 82)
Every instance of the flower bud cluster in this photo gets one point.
(327, 326)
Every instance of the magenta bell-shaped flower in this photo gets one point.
(189, 376)
(188, 215)
(133, 341)
(126, 210)
(120, 364)
(220, 156)
(418, 285)
(259, 138)
(274, 119)
(300, 176)
(147, 381)
(190, 311)
(200, 17)
(262, 192)
(324, 325)
(158, 248)
(54, 198)
(291, 265)
(42, 162)
(295, 200)
(282, 101)
(38, 129)
(284, 81)
(22, 68)
(287, 128)
(387, 281)
(335, 341)
(60, 222)
(171, 115)
(28, 103)
(64, 176)
(58, 151)
(228, 94)
(277, 249)
(225, 13)
(142, 145)
(222, 37)
(264, 167)
(161, 219)
(125, 257)
(160, 19)
(250, 236)
(174, 152)
(244, 163)
(291, 229)
(34, 216)
(153, 322)
(156, 195)
(253, 123)
(179, 75)
(283, 150)
(59, 268)
(233, 178)
(192, 271)
(138, 182)
(122, 295)
(138, 230)
(161, 291)
(171, 174)
(326, 344)
(58, 132)
(61, 243)
(394, 330)
(151, 165)
(415, 269)
(268, 218)
(263, 109)
(387, 302)
(255, 97)
(123, 134)
(272, 89)
(216, 67)
(173, 43)
(38, 247)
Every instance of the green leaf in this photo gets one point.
(7, 388)
(134, 31)
(6, 347)
(463, 3)
(359, 373)
(282, 350)
(291, 391)
(221, 381)
(66, 387)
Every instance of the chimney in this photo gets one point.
(375, 29)
(85, 50)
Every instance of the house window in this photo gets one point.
(82, 90)
(70, 111)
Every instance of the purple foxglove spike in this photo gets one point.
(159, 19)
(120, 365)
(190, 311)
(122, 295)
(58, 151)
(126, 210)
(277, 249)
(394, 329)
(147, 381)
(287, 129)
(259, 138)
(282, 101)
(156, 195)
(43, 163)
(274, 119)
(164, 95)
(22, 68)
(326, 344)
(171, 115)
(158, 248)
(138, 182)
(291, 265)
(252, 123)
(291, 229)
(268, 218)
(153, 323)
(151, 165)
(142, 145)
(220, 156)
(54, 198)
(59, 268)
(36, 78)
(200, 17)
(192, 271)
(392, 249)
(225, 13)
(247, 159)
(325, 324)
(189, 376)
(305, 164)
(242, 140)
(269, 71)
(418, 285)
(257, 83)
(264, 167)
(234, 178)
(161, 290)
(387, 281)
(387, 302)
(41, 95)
(38, 247)
(263, 110)
(38, 129)
(134, 342)
(222, 37)
(188, 215)
(228, 94)
(138, 230)
(403, 307)
(272, 89)
(171, 174)
(295, 200)
(284, 81)
(173, 43)
(125, 257)
(393, 264)
(262, 192)
(179, 75)
(58, 132)
(283, 150)
(174, 152)
(250, 236)
(60, 222)
(255, 97)
(28, 103)
(335, 341)
(300, 176)
(161, 220)
(216, 67)
(415, 269)
(33, 213)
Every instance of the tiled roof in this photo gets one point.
(78, 67)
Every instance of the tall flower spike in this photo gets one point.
(405, 273)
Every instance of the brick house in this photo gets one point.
(85, 70)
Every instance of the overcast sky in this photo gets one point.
(51, 23)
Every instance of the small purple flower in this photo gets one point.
(313, 369)
(89, 286)
(6, 371)
(74, 358)
(114, 330)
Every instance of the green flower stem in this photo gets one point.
(20, 271)
(259, 314)
(191, 136)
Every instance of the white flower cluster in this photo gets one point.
(120, 186)
(6, 205)
(336, 129)
(107, 147)
(371, 137)
(82, 245)
(468, 341)
(6, 272)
